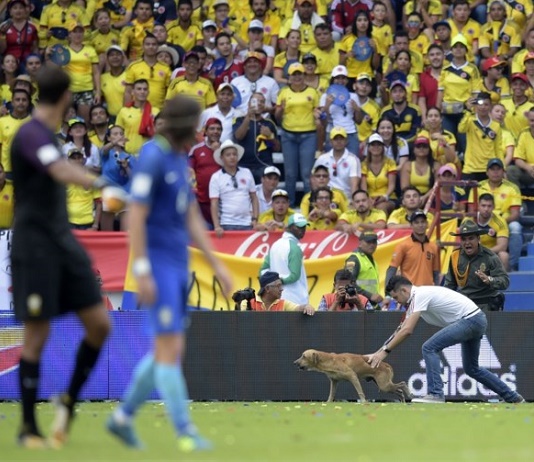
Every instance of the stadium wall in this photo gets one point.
(248, 356)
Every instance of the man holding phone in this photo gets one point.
(257, 134)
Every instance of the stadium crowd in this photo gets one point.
(369, 102)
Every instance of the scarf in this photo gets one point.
(146, 127)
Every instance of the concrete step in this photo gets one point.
(519, 301)
(530, 249)
(521, 282)
(526, 263)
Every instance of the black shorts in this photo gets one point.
(51, 283)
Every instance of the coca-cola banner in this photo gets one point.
(243, 253)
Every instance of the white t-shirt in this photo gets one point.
(264, 205)
(234, 200)
(264, 85)
(348, 166)
(341, 116)
(226, 120)
(439, 306)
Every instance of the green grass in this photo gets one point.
(299, 432)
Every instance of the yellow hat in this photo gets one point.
(459, 39)
(73, 25)
(295, 67)
(338, 131)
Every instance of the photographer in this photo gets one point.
(345, 296)
(269, 296)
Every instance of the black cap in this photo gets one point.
(495, 161)
(441, 23)
(308, 56)
(416, 214)
(369, 236)
(267, 278)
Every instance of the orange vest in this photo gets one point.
(331, 298)
(259, 306)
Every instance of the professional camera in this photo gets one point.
(351, 291)
(241, 296)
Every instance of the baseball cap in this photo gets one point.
(396, 83)
(339, 70)
(114, 48)
(75, 151)
(271, 169)
(495, 161)
(320, 167)
(459, 39)
(451, 168)
(295, 67)
(279, 193)
(308, 57)
(369, 236)
(255, 24)
(416, 214)
(375, 137)
(520, 76)
(212, 121)
(297, 219)
(363, 76)
(300, 2)
(224, 85)
(441, 23)
(76, 120)
(421, 139)
(209, 23)
(338, 131)
(256, 55)
(492, 62)
(217, 3)
(191, 54)
(267, 278)
(528, 56)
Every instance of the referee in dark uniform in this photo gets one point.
(52, 274)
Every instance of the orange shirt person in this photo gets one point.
(416, 257)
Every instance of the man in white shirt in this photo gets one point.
(223, 111)
(344, 167)
(461, 320)
(264, 191)
(234, 205)
(285, 257)
(254, 81)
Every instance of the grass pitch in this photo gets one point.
(298, 432)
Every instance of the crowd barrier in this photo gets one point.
(248, 356)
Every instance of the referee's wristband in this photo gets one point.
(141, 267)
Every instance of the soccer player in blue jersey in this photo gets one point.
(164, 216)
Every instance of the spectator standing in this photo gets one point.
(134, 33)
(304, 19)
(462, 25)
(261, 11)
(522, 172)
(416, 257)
(494, 230)
(255, 42)
(203, 164)
(296, 110)
(10, 124)
(137, 119)
(264, 190)
(285, 257)
(269, 297)
(475, 271)
(498, 113)
(284, 59)
(182, 31)
(429, 79)
(507, 205)
(99, 120)
(258, 135)
(379, 174)
(222, 110)
(339, 299)
(344, 167)
(233, 67)
(364, 268)
(344, 13)
(327, 50)
(363, 87)
(253, 81)
(277, 217)
(77, 137)
(84, 206)
(517, 104)
(7, 200)
(405, 116)
(483, 137)
(396, 147)
(19, 36)
(442, 142)
(234, 205)
(113, 81)
(150, 69)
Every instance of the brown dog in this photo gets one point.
(352, 367)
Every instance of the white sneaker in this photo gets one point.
(429, 399)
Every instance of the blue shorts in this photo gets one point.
(169, 314)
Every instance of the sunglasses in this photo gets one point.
(234, 182)
(324, 175)
(323, 198)
(63, 17)
(421, 145)
(253, 87)
(334, 169)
